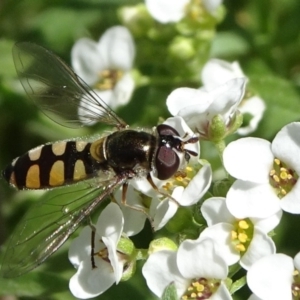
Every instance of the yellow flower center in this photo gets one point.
(108, 79)
(180, 178)
(282, 178)
(296, 286)
(201, 289)
(242, 235)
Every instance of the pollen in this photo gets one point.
(108, 79)
(180, 178)
(240, 248)
(242, 235)
(296, 285)
(282, 178)
(201, 288)
(168, 186)
(243, 224)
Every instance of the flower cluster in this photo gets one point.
(214, 218)
(217, 232)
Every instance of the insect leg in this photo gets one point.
(140, 209)
(93, 235)
(150, 180)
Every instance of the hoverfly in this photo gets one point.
(101, 165)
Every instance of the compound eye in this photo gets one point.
(164, 129)
(167, 162)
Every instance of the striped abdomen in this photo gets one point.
(52, 165)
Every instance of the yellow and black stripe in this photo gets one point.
(53, 165)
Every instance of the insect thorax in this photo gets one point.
(127, 150)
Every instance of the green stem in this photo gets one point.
(220, 146)
(238, 284)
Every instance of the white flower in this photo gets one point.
(165, 11)
(184, 196)
(199, 107)
(90, 281)
(106, 66)
(272, 277)
(217, 72)
(246, 239)
(195, 267)
(255, 107)
(267, 174)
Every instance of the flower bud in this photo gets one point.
(161, 244)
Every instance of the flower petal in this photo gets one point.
(271, 277)
(117, 48)
(86, 60)
(113, 258)
(160, 270)
(261, 245)
(297, 261)
(214, 210)
(80, 247)
(227, 97)
(110, 223)
(267, 224)
(165, 210)
(88, 111)
(290, 202)
(220, 233)
(133, 220)
(254, 106)
(250, 200)
(249, 159)
(221, 293)
(211, 264)
(182, 98)
(122, 91)
(225, 71)
(197, 187)
(286, 145)
(165, 11)
(88, 282)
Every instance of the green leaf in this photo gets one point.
(6, 62)
(238, 284)
(170, 293)
(282, 101)
(34, 284)
(229, 44)
(61, 26)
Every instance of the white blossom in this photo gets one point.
(272, 277)
(244, 240)
(217, 72)
(199, 107)
(267, 174)
(105, 66)
(166, 11)
(91, 281)
(185, 270)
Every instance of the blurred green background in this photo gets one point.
(263, 35)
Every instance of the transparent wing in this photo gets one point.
(57, 90)
(49, 223)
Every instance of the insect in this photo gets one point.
(98, 167)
